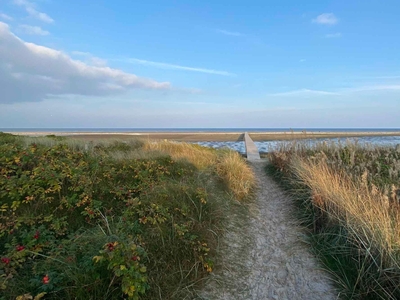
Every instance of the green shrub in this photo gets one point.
(81, 224)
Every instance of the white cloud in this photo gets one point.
(39, 15)
(333, 35)
(176, 67)
(31, 10)
(30, 72)
(302, 60)
(326, 19)
(91, 59)
(231, 33)
(81, 53)
(6, 17)
(33, 30)
(303, 92)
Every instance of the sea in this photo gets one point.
(263, 146)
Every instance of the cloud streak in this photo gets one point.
(31, 10)
(231, 33)
(326, 19)
(33, 30)
(162, 65)
(392, 87)
(342, 91)
(30, 72)
(303, 92)
(6, 17)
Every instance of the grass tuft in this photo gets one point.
(236, 174)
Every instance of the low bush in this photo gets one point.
(98, 222)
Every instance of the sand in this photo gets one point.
(267, 258)
(209, 136)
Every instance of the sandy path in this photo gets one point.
(265, 258)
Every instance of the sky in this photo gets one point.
(199, 64)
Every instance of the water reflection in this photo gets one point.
(265, 146)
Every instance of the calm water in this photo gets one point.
(265, 146)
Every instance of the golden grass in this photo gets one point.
(201, 157)
(371, 220)
(236, 174)
(229, 165)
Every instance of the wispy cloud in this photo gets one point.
(303, 92)
(302, 60)
(326, 19)
(31, 10)
(6, 17)
(33, 30)
(393, 87)
(333, 35)
(231, 33)
(176, 67)
(338, 91)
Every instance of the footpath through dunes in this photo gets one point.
(264, 257)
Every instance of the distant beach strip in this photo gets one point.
(265, 139)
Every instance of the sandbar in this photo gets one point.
(208, 136)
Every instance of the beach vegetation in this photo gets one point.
(112, 219)
(349, 196)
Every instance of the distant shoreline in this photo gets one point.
(208, 136)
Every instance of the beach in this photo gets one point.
(209, 136)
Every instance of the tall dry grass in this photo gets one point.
(228, 165)
(352, 199)
(201, 157)
(237, 175)
(371, 220)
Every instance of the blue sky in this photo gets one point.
(199, 63)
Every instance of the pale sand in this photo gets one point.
(208, 136)
(267, 258)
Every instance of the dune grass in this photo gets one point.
(228, 165)
(350, 196)
(112, 219)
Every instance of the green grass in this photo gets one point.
(108, 220)
(348, 198)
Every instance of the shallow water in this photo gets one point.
(266, 146)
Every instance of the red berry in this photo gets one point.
(110, 246)
(134, 258)
(5, 260)
(20, 248)
(36, 236)
(46, 279)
